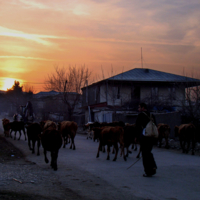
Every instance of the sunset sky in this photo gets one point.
(36, 35)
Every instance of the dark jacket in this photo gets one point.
(142, 121)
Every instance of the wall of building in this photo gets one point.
(163, 94)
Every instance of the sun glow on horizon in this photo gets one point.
(7, 83)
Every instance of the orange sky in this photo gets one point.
(36, 35)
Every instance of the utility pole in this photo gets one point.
(141, 58)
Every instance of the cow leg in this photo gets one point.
(33, 144)
(24, 133)
(132, 146)
(45, 156)
(15, 135)
(138, 155)
(38, 147)
(29, 144)
(116, 151)
(73, 143)
(113, 151)
(135, 149)
(100, 146)
(108, 152)
(53, 159)
(54, 156)
(122, 149)
(103, 149)
(11, 134)
(19, 135)
(127, 152)
(64, 139)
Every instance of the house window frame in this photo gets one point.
(154, 92)
(172, 93)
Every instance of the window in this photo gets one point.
(172, 93)
(154, 91)
(135, 92)
(116, 92)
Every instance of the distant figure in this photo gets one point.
(28, 112)
(17, 117)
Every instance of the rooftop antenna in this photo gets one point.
(141, 58)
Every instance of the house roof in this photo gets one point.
(149, 75)
(50, 93)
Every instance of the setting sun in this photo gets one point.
(8, 83)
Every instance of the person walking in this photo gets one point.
(146, 143)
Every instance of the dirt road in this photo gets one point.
(81, 175)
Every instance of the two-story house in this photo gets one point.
(124, 91)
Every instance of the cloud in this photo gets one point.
(100, 31)
(37, 38)
(34, 4)
(27, 58)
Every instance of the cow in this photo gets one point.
(163, 132)
(17, 126)
(111, 136)
(33, 133)
(51, 140)
(6, 126)
(48, 124)
(97, 135)
(129, 137)
(186, 134)
(89, 126)
(68, 130)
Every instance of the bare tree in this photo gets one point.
(16, 97)
(68, 82)
(27, 88)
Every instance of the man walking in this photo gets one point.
(146, 143)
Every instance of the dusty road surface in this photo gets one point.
(81, 175)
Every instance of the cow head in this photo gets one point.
(97, 132)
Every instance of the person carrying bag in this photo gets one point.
(147, 134)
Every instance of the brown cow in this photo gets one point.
(186, 134)
(129, 137)
(96, 136)
(112, 136)
(34, 132)
(17, 126)
(163, 132)
(6, 126)
(51, 140)
(68, 130)
(48, 124)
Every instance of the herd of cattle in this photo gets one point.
(48, 133)
(117, 134)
